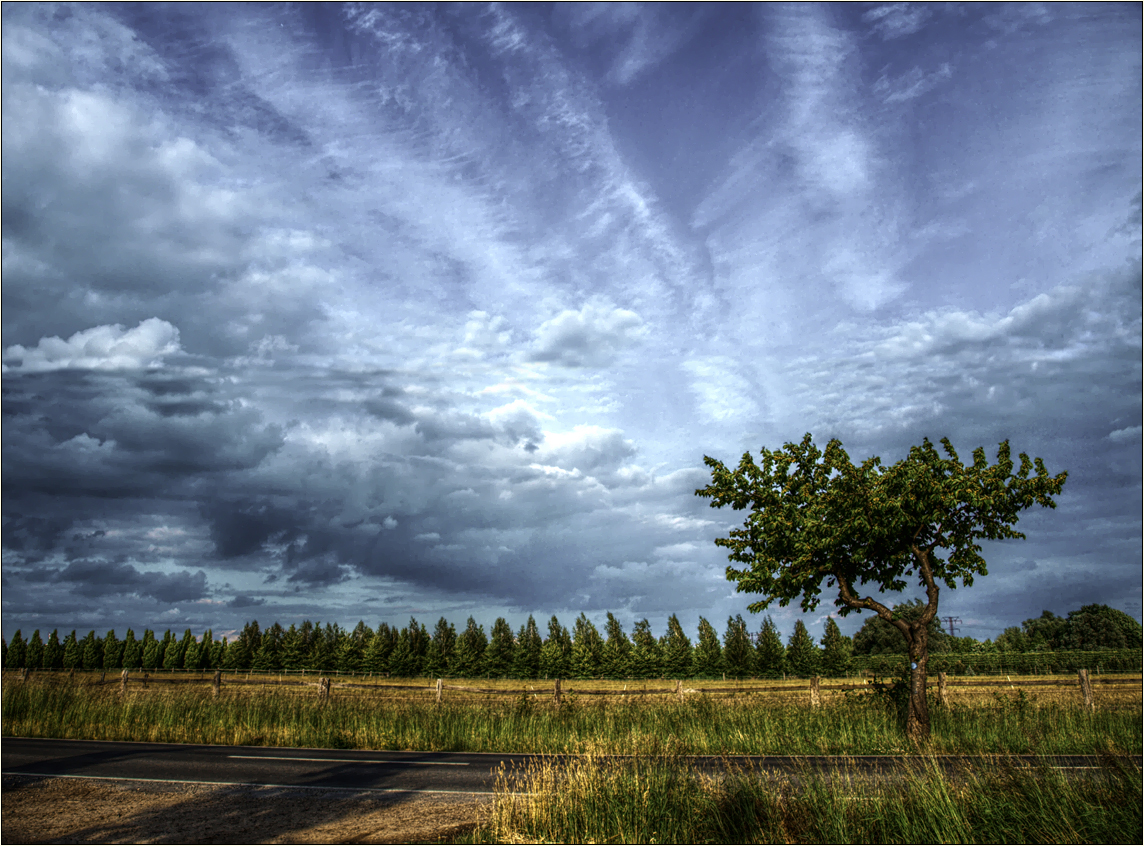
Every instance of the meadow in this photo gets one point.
(771, 718)
(654, 793)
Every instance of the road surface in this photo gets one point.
(461, 773)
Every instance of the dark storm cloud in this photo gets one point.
(309, 305)
(94, 577)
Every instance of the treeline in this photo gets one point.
(583, 652)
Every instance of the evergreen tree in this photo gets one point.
(132, 651)
(17, 653)
(240, 654)
(587, 649)
(708, 656)
(73, 657)
(3, 652)
(499, 654)
(350, 655)
(379, 649)
(177, 658)
(556, 652)
(167, 643)
(738, 651)
(408, 657)
(835, 651)
(469, 654)
(206, 649)
(320, 655)
(439, 658)
(151, 658)
(112, 651)
(526, 661)
(803, 656)
(34, 655)
(647, 657)
(770, 653)
(292, 655)
(218, 654)
(267, 659)
(191, 653)
(92, 654)
(676, 647)
(53, 652)
(617, 662)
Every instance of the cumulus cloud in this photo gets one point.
(591, 336)
(99, 348)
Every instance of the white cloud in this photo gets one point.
(99, 348)
(911, 84)
(895, 20)
(1127, 435)
(592, 336)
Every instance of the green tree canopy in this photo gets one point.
(647, 656)
(738, 650)
(708, 657)
(817, 519)
(499, 655)
(1100, 627)
(836, 650)
(770, 654)
(878, 637)
(675, 647)
(803, 657)
(617, 657)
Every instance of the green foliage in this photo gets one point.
(587, 649)
(1100, 627)
(815, 517)
(770, 652)
(617, 655)
(499, 655)
(381, 647)
(802, 656)
(53, 652)
(34, 655)
(738, 650)
(647, 656)
(526, 661)
(409, 652)
(469, 655)
(17, 650)
(708, 659)
(836, 649)
(132, 655)
(73, 656)
(441, 647)
(556, 652)
(676, 648)
(92, 652)
(879, 637)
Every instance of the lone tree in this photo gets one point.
(815, 517)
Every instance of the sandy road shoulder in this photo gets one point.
(36, 810)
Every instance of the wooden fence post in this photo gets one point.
(815, 697)
(556, 692)
(941, 692)
(323, 689)
(216, 683)
(123, 683)
(145, 677)
(24, 674)
(679, 689)
(1085, 688)
(440, 686)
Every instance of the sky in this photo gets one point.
(366, 312)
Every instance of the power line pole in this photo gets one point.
(950, 621)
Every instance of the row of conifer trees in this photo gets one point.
(411, 651)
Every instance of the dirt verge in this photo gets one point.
(72, 810)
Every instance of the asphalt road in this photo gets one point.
(372, 771)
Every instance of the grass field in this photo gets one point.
(662, 800)
(1005, 719)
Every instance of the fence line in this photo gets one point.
(1084, 683)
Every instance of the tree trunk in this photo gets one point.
(917, 713)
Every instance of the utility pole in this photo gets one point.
(950, 621)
